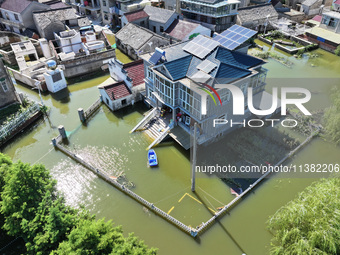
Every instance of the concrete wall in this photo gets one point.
(116, 104)
(27, 15)
(199, 29)
(27, 80)
(86, 64)
(9, 95)
(157, 25)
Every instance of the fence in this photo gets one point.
(92, 108)
(8, 129)
(56, 142)
(205, 225)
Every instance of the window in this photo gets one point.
(150, 74)
(16, 16)
(161, 29)
(107, 102)
(56, 77)
(124, 102)
(225, 97)
(7, 16)
(104, 3)
(4, 85)
(106, 17)
(142, 23)
(233, 6)
(154, 28)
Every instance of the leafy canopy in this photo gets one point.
(310, 224)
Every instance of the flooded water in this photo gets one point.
(106, 143)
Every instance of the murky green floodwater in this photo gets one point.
(106, 139)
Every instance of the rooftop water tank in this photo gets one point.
(90, 36)
(51, 65)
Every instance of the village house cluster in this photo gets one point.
(181, 51)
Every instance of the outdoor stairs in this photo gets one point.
(155, 127)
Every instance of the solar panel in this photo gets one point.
(156, 56)
(201, 46)
(206, 66)
(234, 36)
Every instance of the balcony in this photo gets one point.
(11, 23)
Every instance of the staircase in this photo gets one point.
(155, 127)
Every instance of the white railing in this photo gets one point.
(6, 130)
(145, 120)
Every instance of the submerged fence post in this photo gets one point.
(62, 132)
(81, 115)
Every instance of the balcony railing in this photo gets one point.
(11, 23)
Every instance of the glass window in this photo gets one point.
(4, 86)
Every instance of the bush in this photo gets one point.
(31, 207)
(337, 51)
(310, 224)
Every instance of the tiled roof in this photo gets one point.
(134, 35)
(227, 73)
(136, 15)
(158, 14)
(310, 2)
(236, 58)
(140, 39)
(179, 29)
(256, 12)
(178, 68)
(45, 18)
(55, 4)
(117, 90)
(135, 71)
(15, 5)
(318, 17)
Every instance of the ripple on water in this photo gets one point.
(75, 182)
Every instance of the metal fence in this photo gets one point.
(8, 129)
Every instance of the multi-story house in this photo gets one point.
(16, 15)
(8, 94)
(336, 5)
(217, 15)
(126, 6)
(90, 8)
(177, 77)
(107, 16)
(327, 33)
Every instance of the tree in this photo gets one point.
(310, 224)
(31, 207)
(332, 117)
(337, 51)
(100, 237)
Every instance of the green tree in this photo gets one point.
(310, 224)
(337, 51)
(31, 207)
(100, 237)
(332, 117)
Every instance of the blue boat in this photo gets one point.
(152, 158)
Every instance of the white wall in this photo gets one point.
(199, 29)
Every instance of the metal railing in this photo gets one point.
(8, 129)
(94, 107)
(145, 120)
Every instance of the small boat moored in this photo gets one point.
(152, 158)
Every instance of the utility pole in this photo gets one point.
(194, 155)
